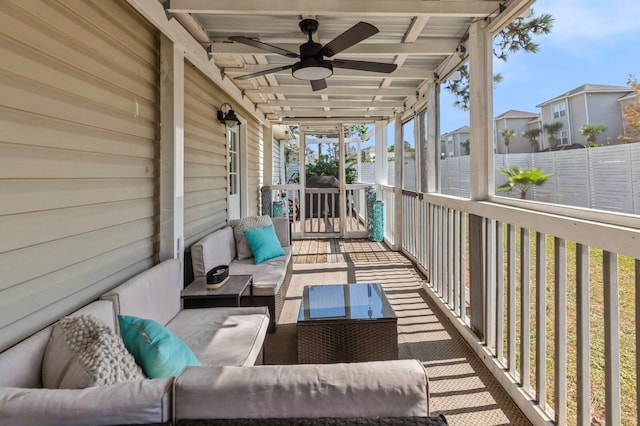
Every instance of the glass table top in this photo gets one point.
(344, 301)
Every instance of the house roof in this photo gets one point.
(463, 129)
(587, 88)
(423, 38)
(513, 113)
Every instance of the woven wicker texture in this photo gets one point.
(461, 387)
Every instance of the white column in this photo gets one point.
(268, 155)
(481, 111)
(432, 160)
(382, 165)
(171, 198)
(482, 178)
(399, 163)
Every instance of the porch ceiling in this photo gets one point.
(422, 37)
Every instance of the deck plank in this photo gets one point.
(461, 387)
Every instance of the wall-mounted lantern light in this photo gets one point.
(228, 116)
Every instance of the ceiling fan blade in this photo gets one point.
(353, 35)
(264, 46)
(318, 85)
(264, 72)
(365, 66)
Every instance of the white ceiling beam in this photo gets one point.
(512, 11)
(341, 8)
(427, 48)
(338, 72)
(311, 103)
(335, 91)
(193, 28)
(332, 113)
(193, 52)
(411, 35)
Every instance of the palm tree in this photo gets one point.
(591, 132)
(522, 179)
(465, 144)
(507, 134)
(551, 130)
(532, 136)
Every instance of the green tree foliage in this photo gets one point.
(522, 179)
(507, 134)
(591, 132)
(327, 165)
(551, 129)
(532, 135)
(359, 130)
(465, 144)
(517, 36)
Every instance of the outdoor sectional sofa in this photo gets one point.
(226, 389)
(270, 278)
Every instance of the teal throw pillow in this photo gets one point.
(264, 243)
(157, 350)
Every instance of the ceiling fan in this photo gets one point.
(312, 65)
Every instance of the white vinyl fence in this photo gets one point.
(604, 178)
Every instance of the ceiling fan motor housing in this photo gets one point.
(312, 68)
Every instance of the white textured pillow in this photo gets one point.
(84, 352)
(241, 225)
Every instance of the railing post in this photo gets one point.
(476, 274)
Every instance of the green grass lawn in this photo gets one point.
(626, 280)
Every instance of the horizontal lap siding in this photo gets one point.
(78, 156)
(205, 156)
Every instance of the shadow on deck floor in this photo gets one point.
(461, 387)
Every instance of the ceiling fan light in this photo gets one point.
(314, 70)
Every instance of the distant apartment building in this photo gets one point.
(519, 121)
(587, 104)
(455, 143)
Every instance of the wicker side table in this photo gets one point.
(346, 323)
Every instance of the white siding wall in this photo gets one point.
(205, 157)
(78, 151)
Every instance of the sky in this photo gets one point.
(592, 41)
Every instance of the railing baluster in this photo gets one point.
(499, 351)
(611, 338)
(560, 260)
(541, 319)
(456, 261)
(442, 254)
(490, 280)
(451, 268)
(463, 267)
(511, 299)
(582, 334)
(525, 313)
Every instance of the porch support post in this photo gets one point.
(171, 197)
(431, 160)
(382, 165)
(398, 157)
(481, 151)
(342, 176)
(268, 155)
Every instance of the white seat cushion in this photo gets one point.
(268, 276)
(223, 336)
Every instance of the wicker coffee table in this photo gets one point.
(346, 323)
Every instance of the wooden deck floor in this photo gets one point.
(461, 387)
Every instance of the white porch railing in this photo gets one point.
(320, 211)
(552, 298)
